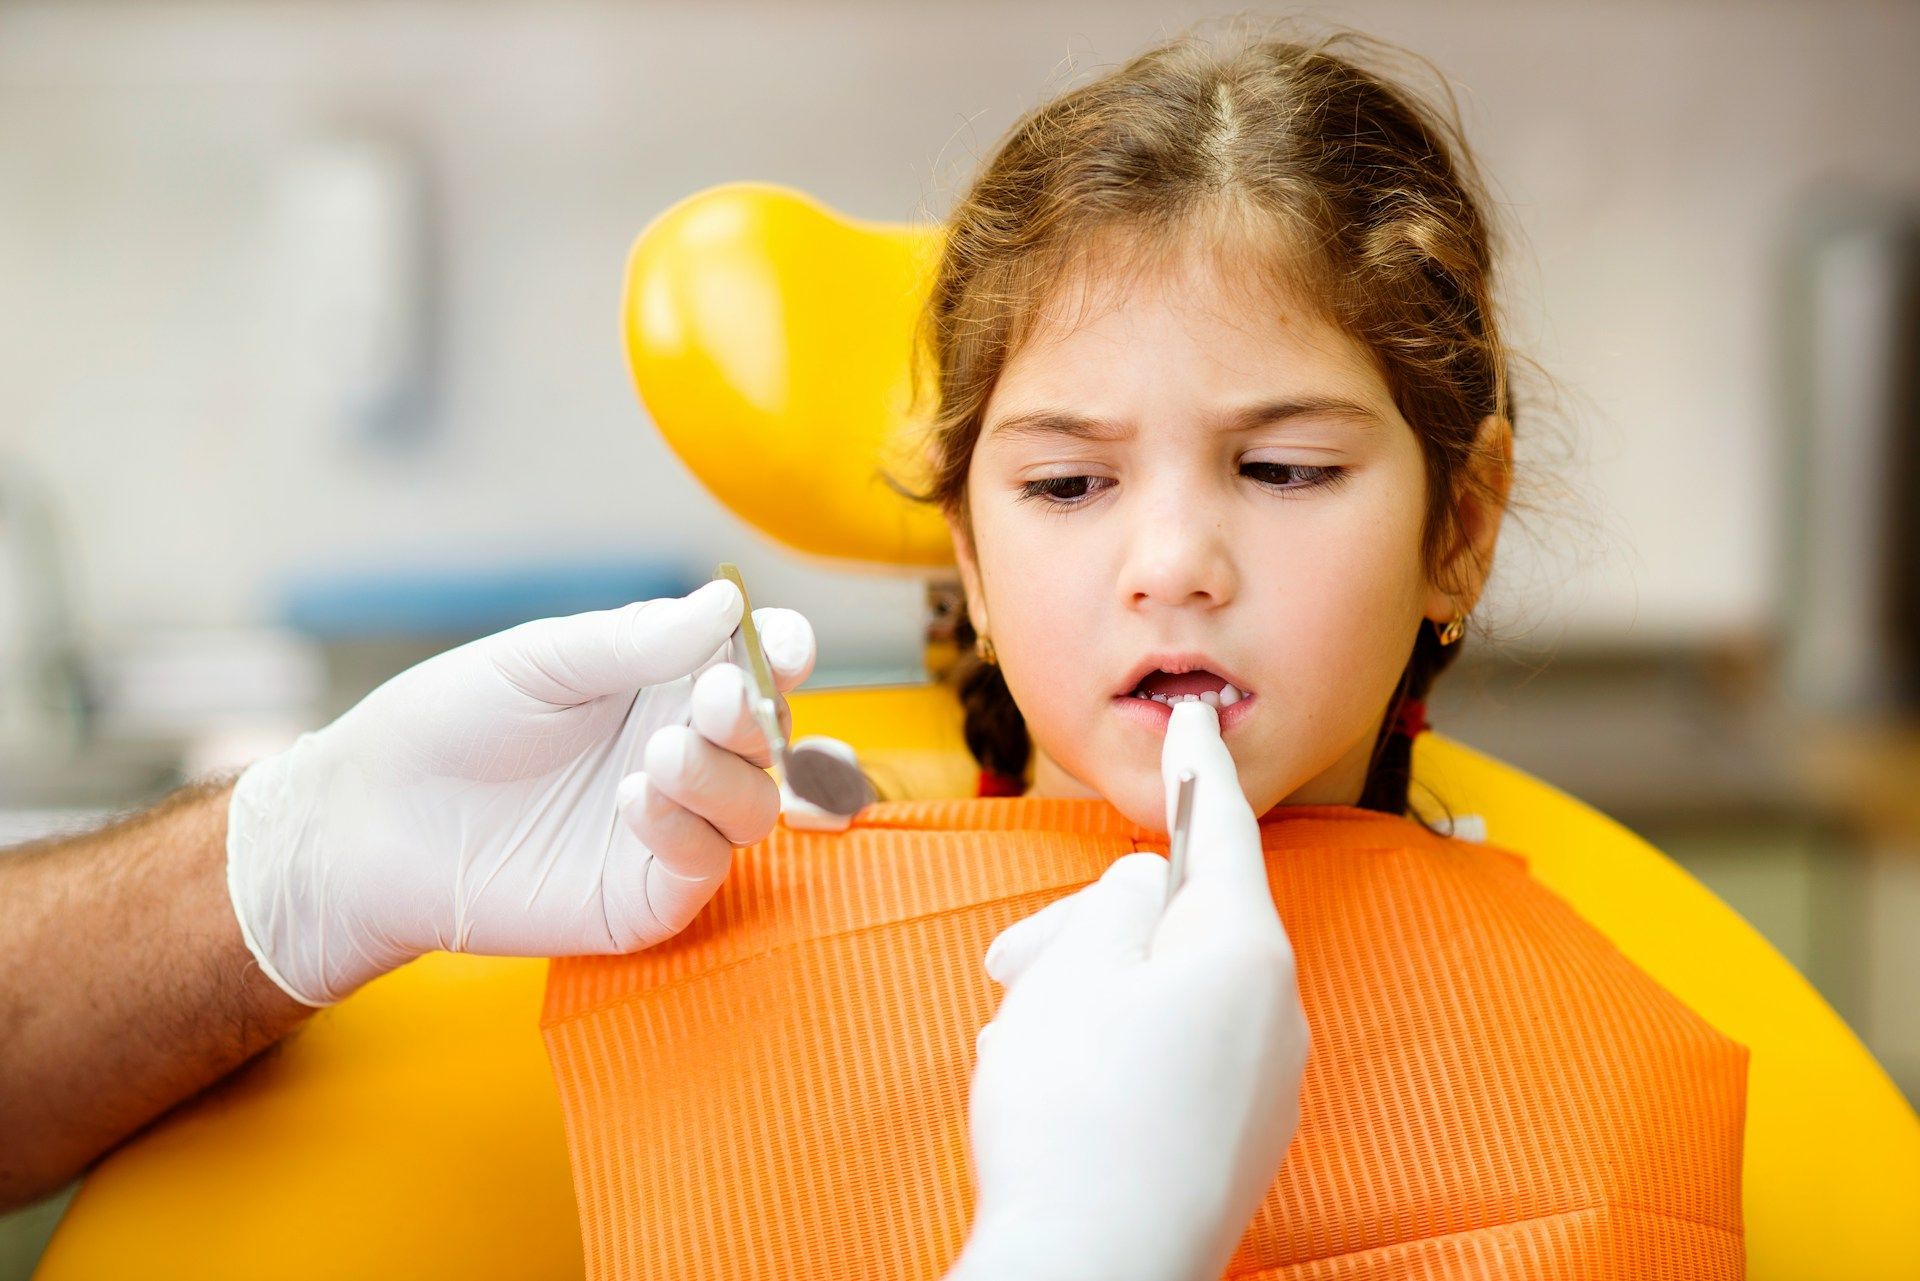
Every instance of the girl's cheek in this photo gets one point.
(1035, 612)
(1044, 634)
(1036, 574)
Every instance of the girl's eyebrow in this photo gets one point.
(1045, 423)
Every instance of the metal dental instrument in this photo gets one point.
(1182, 829)
(747, 637)
(812, 771)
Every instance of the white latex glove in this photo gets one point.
(1135, 1093)
(538, 792)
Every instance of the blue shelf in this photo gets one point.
(467, 601)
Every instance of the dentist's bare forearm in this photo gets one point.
(125, 986)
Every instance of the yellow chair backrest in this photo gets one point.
(780, 372)
(413, 1130)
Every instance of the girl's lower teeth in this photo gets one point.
(1225, 697)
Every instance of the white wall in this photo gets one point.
(1650, 153)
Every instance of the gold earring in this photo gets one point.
(1453, 630)
(984, 648)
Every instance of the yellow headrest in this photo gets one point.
(769, 337)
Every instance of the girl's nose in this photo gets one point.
(1178, 554)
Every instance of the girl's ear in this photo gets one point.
(1481, 499)
(969, 576)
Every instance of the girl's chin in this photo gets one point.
(1143, 803)
(1141, 795)
(1126, 774)
(1139, 792)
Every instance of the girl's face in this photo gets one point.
(1189, 488)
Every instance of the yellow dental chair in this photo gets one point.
(413, 1130)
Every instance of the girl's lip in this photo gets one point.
(1156, 715)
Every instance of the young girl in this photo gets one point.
(1220, 409)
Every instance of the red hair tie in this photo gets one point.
(1412, 718)
(994, 783)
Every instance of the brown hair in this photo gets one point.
(1342, 186)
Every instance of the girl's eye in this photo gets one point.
(1278, 475)
(1286, 478)
(1063, 491)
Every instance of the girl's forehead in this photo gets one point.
(1199, 321)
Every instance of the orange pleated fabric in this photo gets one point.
(1494, 1090)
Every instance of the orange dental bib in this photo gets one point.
(1494, 1091)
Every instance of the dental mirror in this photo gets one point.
(814, 772)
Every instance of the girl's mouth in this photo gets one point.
(1151, 701)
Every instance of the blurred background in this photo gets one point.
(309, 367)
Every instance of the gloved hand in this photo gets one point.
(538, 792)
(1139, 1085)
